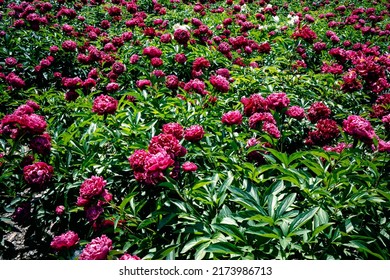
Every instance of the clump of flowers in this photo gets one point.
(327, 130)
(97, 249)
(254, 104)
(277, 101)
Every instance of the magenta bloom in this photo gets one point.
(118, 68)
(232, 117)
(359, 128)
(317, 111)
(181, 36)
(337, 149)
(41, 144)
(326, 131)
(137, 160)
(65, 241)
(60, 209)
(129, 257)
(11, 61)
(143, 83)
(260, 117)
(172, 82)
(152, 52)
(38, 173)
(189, 166)
(69, 46)
(104, 104)
(194, 133)
(167, 143)
(277, 101)
(97, 249)
(271, 129)
(158, 162)
(175, 129)
(254, 104)
(220, 83)
(296, 112)
(92, 187)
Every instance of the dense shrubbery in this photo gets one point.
(195, 130)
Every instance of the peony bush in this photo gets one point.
(178, 129)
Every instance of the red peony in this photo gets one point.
(69, 46)
(189, 167)
(359, 128)
(277, 101)
(92, 187)
(104, 104)
(296, 112)
(317, 111)
(129, 257)
(220, 83)
(182, 36)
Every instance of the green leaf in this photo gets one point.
(230, 230)
(301, 219)
(194, 242)
(223, 248)
(285, 204)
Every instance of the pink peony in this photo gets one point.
(65, 241)
(174, 129)
(180, 58)
(60, 209)
(182, 36)
(137, 160)
(172, 82)
(97, 249)
(359, 128)
(69, 46)
(271, 129)
(220, 83)
(327, 130)
(118, 68)
(232, 117)
(38, 174)
(194, 133)
(143, 83)
(167, 143)
(127, 256)
(189, 166)
(260, 117)
(254, 104)
(277, 101)
(337, 149)
(104, 104)
(92, 187)
(317, 111)
(152, 52)
(296, 112)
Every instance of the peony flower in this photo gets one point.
(296, 112)
(60, 209)
(220, 83)
(127, 256)
(92, 187)
(41, 144)
(277, 101)
(65, 241)
(254, 104)
(104, 104)
(194, 133)
(189, 166)
(271, 129)
(359, 128)
(167, 143)
(182, 36)
(152, 52)
(69, 46)
(137, 160)
(143, 83)
(38, 174)
(97, 249)
(317, 111)
(118, 68)
(260, 117)
(174, 129)
(232, 117)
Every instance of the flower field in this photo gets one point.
(179, 129)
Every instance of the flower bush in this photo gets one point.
(194, 129)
